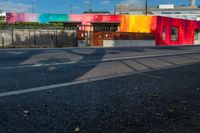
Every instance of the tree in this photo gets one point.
(2, 16)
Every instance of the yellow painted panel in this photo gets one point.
(133, 23)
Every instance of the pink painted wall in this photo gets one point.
(21, 17)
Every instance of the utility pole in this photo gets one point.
(90, 5)
(32, 4)
(115, 3)
(71, 7)
(146, 7)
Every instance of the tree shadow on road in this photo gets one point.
(36, 76)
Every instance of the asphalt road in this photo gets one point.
(112, 90)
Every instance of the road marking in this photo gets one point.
(102, 60)
(48, 87)
(76, 82)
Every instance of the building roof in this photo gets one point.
(126, 7)
(96, 12)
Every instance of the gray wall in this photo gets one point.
(128, 43)
(5, 37)
(37, 38)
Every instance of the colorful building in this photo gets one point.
(168, 31)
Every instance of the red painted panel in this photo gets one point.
(186, 30)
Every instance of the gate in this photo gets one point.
(85, 38)
(98, 38)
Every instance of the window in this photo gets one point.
(110, 27)
(174, 33)
(71, 25)
(163, 33)
(196, 35)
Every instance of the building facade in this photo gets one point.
(167, 31)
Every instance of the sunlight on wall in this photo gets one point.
(128, 23)
(46, 18)
(21, 17)
(132, 23)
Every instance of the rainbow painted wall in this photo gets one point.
(128, 23)
(42, 18)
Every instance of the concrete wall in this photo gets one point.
(128, 43)
(82, 43)
(5, 38)
(37, 38)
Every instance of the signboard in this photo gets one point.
(166, 6)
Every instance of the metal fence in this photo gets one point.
(37, 38)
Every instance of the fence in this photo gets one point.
(37, 38)
(120, 35)
(98, 38)
(127, 36)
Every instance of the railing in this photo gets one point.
(127, 36)
(119, 35)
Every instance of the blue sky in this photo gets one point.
(63, 6)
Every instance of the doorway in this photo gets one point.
(197, 36)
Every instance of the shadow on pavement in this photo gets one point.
(23, 78)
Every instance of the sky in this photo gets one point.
(78, 6)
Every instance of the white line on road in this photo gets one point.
(76, 82)
(48, 87)
(102, 60)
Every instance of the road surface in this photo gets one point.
(105, 90)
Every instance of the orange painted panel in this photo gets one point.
(141, 24)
